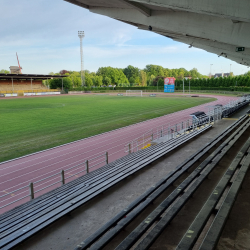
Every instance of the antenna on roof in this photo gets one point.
(18, 63)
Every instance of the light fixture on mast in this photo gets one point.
(81, 36)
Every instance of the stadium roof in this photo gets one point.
(29, 76)
(217, 26)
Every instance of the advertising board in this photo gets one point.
(42, 93)
(9, 95)
(169, 84)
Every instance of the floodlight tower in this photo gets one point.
(81, 36)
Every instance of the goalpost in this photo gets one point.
(134, 93)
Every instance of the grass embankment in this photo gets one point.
(28, 125)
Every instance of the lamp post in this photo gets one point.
(230, 69)
(81, 36)
(183, 86)
(211, 70)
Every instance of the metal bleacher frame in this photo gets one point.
(107, 232)
(240, 162)
(25, 220)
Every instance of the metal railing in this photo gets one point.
(60, 177)
(166, 132)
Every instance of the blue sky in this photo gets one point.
(45, 35)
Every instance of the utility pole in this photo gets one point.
(211, 70)
(81, 36)
(183, 86)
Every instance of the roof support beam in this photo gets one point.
(237, 10)
(144, 10)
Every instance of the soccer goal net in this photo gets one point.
(133, 92)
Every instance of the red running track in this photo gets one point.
(18, 173)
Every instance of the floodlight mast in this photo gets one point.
(81, 36)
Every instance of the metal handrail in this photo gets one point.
(13, 191)
(14, 201)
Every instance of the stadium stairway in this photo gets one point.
(25, 220)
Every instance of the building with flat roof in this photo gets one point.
(221, 75)
(15, 70)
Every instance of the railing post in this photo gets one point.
(87, 166)
(129, 148)
(182, 125)
(107, 158)
(161, 133)
(31, 191)
(62, 177)
(152, 137)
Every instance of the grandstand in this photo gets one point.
(25, 84)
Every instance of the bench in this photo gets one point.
(118, 223)
(25, 220)
(209, 207)
(177, 199)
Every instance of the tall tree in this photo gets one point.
(116, 75)
(63, 72)
(4, 71)
(132, 73)
(143, 77)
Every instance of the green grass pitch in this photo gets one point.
(28, 125)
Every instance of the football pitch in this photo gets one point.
(29, 125)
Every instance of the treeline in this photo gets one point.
(130, 76)
(151, 77)
(231, 83)
(223, 83)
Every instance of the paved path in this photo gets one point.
(18, 173)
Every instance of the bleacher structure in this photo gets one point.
(152, 226)
(25, 220)
(26, 84)
(47, 208)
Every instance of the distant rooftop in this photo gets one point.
(29, 76)
(221, 75)
(15, 70)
